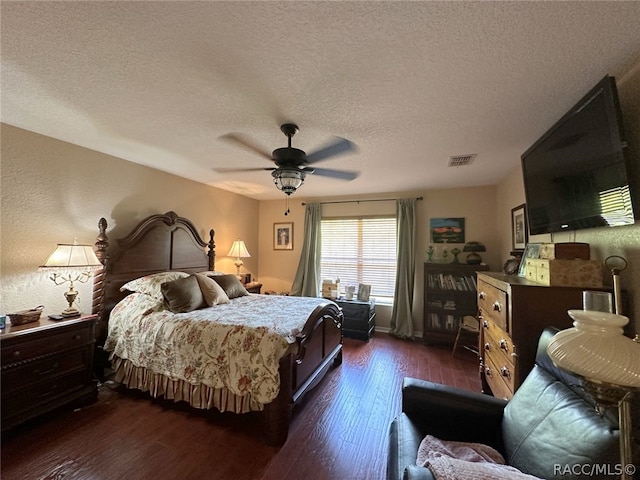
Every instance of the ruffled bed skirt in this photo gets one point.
(198, 396)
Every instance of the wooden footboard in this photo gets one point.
(320, 347)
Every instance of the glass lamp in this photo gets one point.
(238, 250)
(71, 263)
(474, 247)
(608, 362)
(288, 180)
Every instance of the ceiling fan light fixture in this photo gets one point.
(288, 180)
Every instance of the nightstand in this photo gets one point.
(253, 287)
(45, 365)
(359, 318)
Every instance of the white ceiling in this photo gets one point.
(411, 83)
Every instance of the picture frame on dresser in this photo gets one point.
(532, 250)
(519, 227)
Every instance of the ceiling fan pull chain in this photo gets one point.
(286, 204)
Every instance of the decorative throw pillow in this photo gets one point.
(231, 285)
(183, 295)
(151, 284)
(212, 292)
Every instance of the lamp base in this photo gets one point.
(70, 312)
(474, 259)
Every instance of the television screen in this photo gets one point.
(575, 175)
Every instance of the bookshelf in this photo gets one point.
(449, 295)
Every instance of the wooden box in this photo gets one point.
(565, 273)
(565, 251)
(329, 286)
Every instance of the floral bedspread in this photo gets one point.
(237, 346)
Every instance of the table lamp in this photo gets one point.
(71, 263)
(474, 247)
(238, 250)
(596, 350)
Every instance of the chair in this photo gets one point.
(548, 424)
(469, 328)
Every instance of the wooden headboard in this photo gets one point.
(157, 244)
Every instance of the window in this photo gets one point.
(361, 250)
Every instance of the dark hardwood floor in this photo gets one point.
(340, 431)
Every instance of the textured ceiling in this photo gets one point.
(411, 83)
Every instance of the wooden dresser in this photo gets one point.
(359, 318)
(513, 312)
(45, 365)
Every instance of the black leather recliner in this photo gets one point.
(548, 428)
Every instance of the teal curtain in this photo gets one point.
(401, 316)
(305, 283)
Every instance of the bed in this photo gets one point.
(268, 351)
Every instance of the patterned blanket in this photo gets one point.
(235, 346)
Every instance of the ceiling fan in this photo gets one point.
(292, 164)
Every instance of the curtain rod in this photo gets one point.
(362, 201)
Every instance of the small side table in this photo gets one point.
(45, 365)
(253, 287)
(359, 318)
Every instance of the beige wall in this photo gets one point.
(53, 192)
(476, 205)
(623, 241)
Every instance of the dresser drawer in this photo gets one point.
(20, 349)
(492, 303)
(499, 377)
(30, 373)
(498, 344)
(357, 311)
(16, 403)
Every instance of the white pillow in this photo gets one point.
(151, 284)
(212, 273)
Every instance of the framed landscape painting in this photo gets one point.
(447, 230)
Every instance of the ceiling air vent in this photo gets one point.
(461, 160)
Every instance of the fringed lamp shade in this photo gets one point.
(71, 262)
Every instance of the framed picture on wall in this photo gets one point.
(519, 228)
(283, 236)
(447, 230)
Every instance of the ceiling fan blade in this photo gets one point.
(243, 141)
(337, 147)
(233, 170)
(339, 174)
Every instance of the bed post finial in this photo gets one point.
(211, 253)
(102, 243)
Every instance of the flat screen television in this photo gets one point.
(577, 174)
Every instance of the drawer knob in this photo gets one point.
(487, 372)
(482, 295)
(504, 371)
(485, 324)
(497, 307)
(504, 345)
(487, 346)
(77, 337)
(16, 353)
